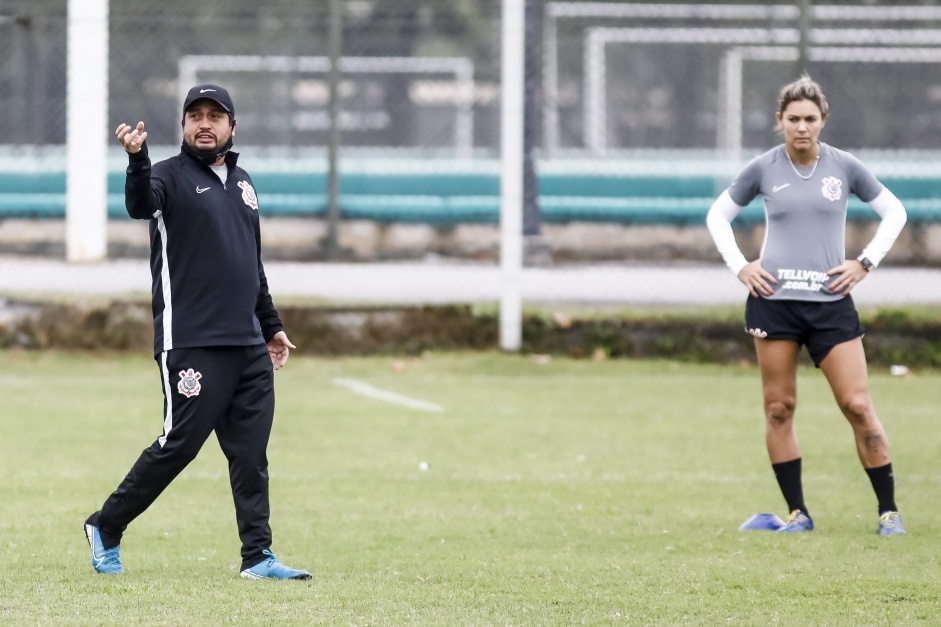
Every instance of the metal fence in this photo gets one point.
(629, 75)
(620, 89)
(424, 73)
(32, 72)
(612, 75)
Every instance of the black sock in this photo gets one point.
(788, 475)
(883, 482)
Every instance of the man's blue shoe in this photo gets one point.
(271, 568)
(890, 524)
(105, 561)
(798, 521)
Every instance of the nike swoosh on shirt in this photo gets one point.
(777, 188)
(200, 190)
(203, 91)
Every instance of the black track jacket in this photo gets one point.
(209, 285)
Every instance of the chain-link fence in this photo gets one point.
(409, 69)
(425, 76)
(626, 76)
(641, 111)
(32, 72)
(618, 75)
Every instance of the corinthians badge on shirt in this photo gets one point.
(189, 383)
(248, 195)
(832, 188)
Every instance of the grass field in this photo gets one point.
(560, 493)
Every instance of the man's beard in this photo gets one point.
(210, 155)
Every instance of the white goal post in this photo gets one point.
(512, 110)
(86, 131)
(556, 12)
(598, 38)
(461, 68)
(729, 129)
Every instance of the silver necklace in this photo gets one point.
(794, 167)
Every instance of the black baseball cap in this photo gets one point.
(217, 94)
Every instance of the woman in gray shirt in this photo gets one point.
(800, 288)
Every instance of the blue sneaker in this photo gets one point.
(271, 568)
(798, 521)
(105, 561)
(890, 524)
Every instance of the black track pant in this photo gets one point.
(229, 390)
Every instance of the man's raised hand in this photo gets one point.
(131, 138)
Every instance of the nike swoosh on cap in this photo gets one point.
(203, 91)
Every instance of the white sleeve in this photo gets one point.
(893, 216)
(719, 222)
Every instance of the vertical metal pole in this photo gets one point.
(536, 248)
(550, 84)
(729, 127)
(511, 179)
(729, 122)
(532, 220)
(464, 126)
(335, 43)
(595, 105)
(86, 212)
(804, 27)
(22, 34)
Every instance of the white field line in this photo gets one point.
(365, 389)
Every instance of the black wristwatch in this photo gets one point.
(865, 263)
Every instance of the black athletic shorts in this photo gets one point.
(820, 326)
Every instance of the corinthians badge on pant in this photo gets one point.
(189, 383)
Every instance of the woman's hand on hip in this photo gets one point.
(850, 274)
(757, 279)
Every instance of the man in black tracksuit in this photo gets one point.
(217, 337)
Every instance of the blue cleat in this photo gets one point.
(798, 521)
(271, 568)
(105, 561)
(890, 524)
